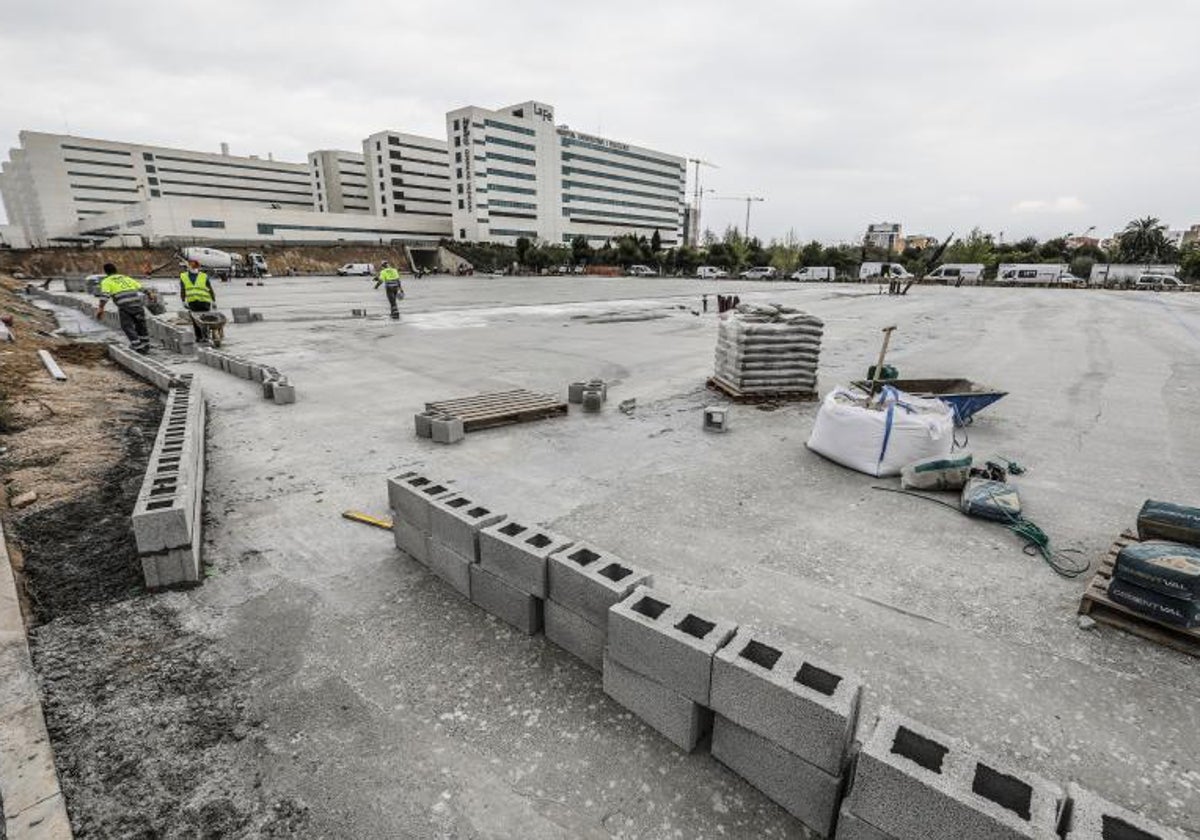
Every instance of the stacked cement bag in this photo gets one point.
(769, 349)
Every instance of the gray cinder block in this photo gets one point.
(421, 421)
(284, 393)
(917, 784)
(446, 429)
(807, 707)
(455, 521)
(450, 566)
(411, 540)
(850, 827)
(575, 634)
(671, 644)
(716, 419)
(575, 392)
(241, 314)
(410, 496)
(680, 720)
(517, 553)
(593, 400)
(520, 609)
(1093, 818)
(597, 385)
(588, 580)
(804, 790)
(268, 389)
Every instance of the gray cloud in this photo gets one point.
(1028, 117)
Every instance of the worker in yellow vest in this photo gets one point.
(197, 295)
(390, 278)
(130, 299)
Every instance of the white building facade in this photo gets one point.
(516, 174)
(338, 182)
(407, 174)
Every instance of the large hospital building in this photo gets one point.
(495, 176)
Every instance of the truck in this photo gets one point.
(1035, 274)
(210, 259)
(873, 270)
(955, 273)
(814, 273)
(1126, 274)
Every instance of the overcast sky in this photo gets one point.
(1037, 118)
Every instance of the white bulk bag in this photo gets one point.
(898, 429)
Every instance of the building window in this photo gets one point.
(458, 157)
(460, 204)
(378, 146)
(147, 156)
(151, 167)
(207, 223)
(321, 208)
(156, 193)
(458, 172)
(400, 208)
(456, 125)
(153, 181)
(384, 211)
(462, 233)
(457, 141)
(460, 189)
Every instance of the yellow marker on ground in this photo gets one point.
(358, 516)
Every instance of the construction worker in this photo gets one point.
(130, 300)
(390, 278)
(197, 295)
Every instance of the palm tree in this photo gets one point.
(1144, 240)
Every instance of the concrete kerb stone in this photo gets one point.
(807, 707)
(520, 609)
(1088, 817)
(575, 634)
(156, 373)
(588, 580)
(915, 783)
(672, 644)
(411, 496)
(804, 790)
(681, 721)
(456, 520)
(517, 553)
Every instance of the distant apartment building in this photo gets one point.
(408, 174)
(888, 236)
(516, 174)
(338, 182)
(919, 241)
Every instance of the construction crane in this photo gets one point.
(746, 198)
(699, 193)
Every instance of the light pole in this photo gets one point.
(748, 199)
(699, 193)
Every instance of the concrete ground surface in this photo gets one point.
(395, 709)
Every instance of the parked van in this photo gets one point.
(1035, 274)
(710, 272)
(1123, 274)
(1159, 283)
(955, 273)
(811, 273)
(872, 270)
(357, 270)
(759, 272)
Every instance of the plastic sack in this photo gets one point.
(880, 440)
(1165, 521)
(1154, 605)
(1165, 567)
(989, 499)
(937, 473)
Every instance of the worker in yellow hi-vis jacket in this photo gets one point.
(390, 279)
(130, 300)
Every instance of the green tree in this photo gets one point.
(656, 242)
(811, 254)
(687, 260)
(1053, 250)
(1145, 241)
(581, 251)
(975, 248)
(1189, 261)
(523, 246)
(1081, 267)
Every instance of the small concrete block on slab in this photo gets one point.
(915, 783)
(411, 540)
(1093, 818)
(672, 644)
(593, 400)
(446, 429)
(805, 791)
(284, 393)
(520, 609)
(422, 421)
(681, 721)
(411, 495)
(456, 521)
(575, 634)
(517, 553)
(716, 419)
(588, 580)
(450, 566)
(807, 707)
(241, 314)
(575, 392)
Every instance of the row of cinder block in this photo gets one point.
(110, 318)
(154, 372)
(275, 386)
(167, 521)
(179, 339)
(781, 719)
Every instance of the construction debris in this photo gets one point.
(23, 500)
(52, 366)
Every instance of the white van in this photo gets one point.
(710, 272)
(954, 273)
(1159, 283)
(822, 273)
(872, 270)
(1035, 274)
(357, 269)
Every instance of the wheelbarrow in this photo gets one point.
(212, 324)
(965, 398)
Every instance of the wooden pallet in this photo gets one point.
(1097, 605)
(501, 408)
(739, 396)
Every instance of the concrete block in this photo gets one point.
(517, 553)
(268, 389)
(588, 580)
(240, 368)
(175, 567)
(807, 707)
(455, 521)
(672, 644)
(520, 609)
(575, 392)
(593, 401)
(850, 827)
(450, 566)
(917, 784)
(716, 419)
(410, 496)
(284, 393)
(681, 721)
(597, 385)
(1089, 817)
(446, 429)
(575, 634)
(241, 314)
(421, 420)
(411, 540)
(804, 790)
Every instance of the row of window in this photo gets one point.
(571, 141)
(278, 169)
(572, 212)
(259, 201)
(516, 129)
(400, 182)
(509, 159)
(508, 173)
(270, 190)
(94, 187)
(514, 144)
(532, 234)
(643, 226)
(592, 173)
(643, 170)
(441, 162)
(519, 205)
(395, 141)
(401, 208)
(102, 175)
(614, 203)
(401, 170)
(256, 178)
(510, 215)
(583, 185)
(207, 223)
(509, 189)
(119, 152)
(99, 162)
(269, 229)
